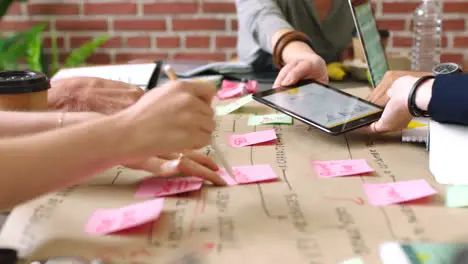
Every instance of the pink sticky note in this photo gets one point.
(335, 168)
(158, 186)
(397, 192)
(231, 89)
(252, 86)
(248, 174)
(105, 221)
(252, 138)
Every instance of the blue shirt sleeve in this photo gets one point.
(449, 100)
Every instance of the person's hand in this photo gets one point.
(308, 67)
(90, 94)
(396, 115)
(191, 164)
(173, 118)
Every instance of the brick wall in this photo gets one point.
(194, 29)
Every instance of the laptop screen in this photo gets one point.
(370, 39)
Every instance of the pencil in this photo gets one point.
(172, 76)
(153, 81)
(170, 72)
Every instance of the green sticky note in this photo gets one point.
(353, 261)
(256, 120)
(457, 196)
(226, 109)
(432, 253)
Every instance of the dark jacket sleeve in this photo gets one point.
(449, 101)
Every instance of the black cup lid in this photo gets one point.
(17, 82)
(8, 256)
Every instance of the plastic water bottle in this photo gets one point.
(427, 36)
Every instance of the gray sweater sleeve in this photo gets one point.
(261, 18)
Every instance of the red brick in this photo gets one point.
(234, 25)
(110, 8)
(197, 42)
(460, 42)
(456, 7)
(200, 56)
(140, 24)
(391, 24)
(400, 7)
(218, 7)
(198, 24)
(81, 25)
(453, 25)
(226, 42)
(168, 42)
(53, 9)
(126, 57)
(47, 42)
(115, 42)
(407, 42)
(8, 25)
(95, 58)
(15, 9)
(138, 42)
(452, 57)
(170, 8)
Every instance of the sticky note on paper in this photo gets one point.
(106, 221)
(226, 109)
(433, 253)
(415, 124)
(243, 140)
(397, 192)
(248, 174)
(159, 186)
(457, 196)
(255, 120)
(336, 168)
(353, 261)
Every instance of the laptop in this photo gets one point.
(368, 33)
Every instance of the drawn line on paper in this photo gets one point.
(119, 171)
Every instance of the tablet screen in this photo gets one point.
(375, 54)
(324, 106)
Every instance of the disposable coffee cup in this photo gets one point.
(23, 91)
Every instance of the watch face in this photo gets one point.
(446, 68)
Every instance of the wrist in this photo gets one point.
(423, 95)
(297, 50)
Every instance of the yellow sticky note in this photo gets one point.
(415, 124)
(226, 109)
(292, 91)
(457, 196)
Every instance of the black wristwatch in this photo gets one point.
(446, 68)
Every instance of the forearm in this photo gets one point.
(22, 123)
(44, 162)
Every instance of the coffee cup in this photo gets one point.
(23, 91)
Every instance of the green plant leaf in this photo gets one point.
(79, 56)
(33, 56)
(18, 47)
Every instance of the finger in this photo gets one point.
(203, 122)
(202, 159)
(191, 168)
(283, 73)
(201, 107)
(301, 70)
(157, 166)
(203, 90)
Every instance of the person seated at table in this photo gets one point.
(67, 148)
(299, 37)
(442, 98)
(92, 94)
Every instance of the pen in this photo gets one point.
(170, 72)
(153, 81)
(172, 76)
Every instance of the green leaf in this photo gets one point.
(79, 56)
(33, 57)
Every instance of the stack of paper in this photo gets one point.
(417, 131)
